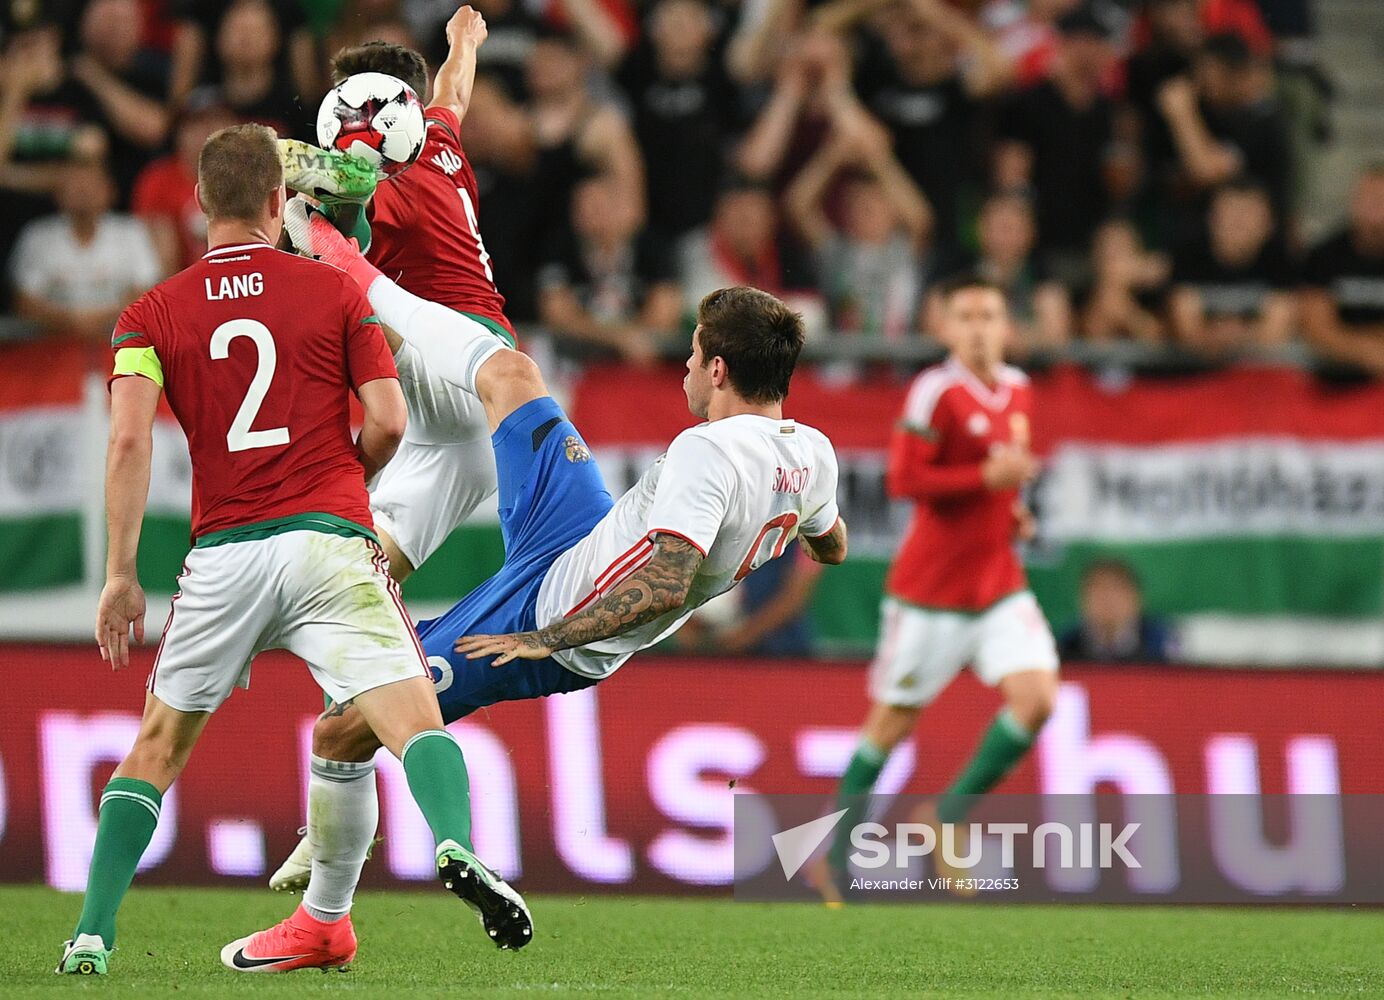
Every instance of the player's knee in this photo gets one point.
(888, 725)
(344, 737)
(156, 758)
(1031, 704)
(512, 372)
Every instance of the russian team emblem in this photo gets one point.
(576, 451)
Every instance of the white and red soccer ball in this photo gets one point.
(375, 116)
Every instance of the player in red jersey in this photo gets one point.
(956, 594)
(421, 228)
(257, 352)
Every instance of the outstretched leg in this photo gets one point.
(456, 347)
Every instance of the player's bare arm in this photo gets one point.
(660, 587)
(455, 77)
(134, 399)
(386, 416)
(830, 548)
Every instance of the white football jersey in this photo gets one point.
(739, 489)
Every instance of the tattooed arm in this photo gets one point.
(659, 587)
(829, 548)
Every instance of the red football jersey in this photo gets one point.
(424, 229)
(959, 550)
(259, 350)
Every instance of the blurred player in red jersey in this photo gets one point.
(258, 352)
(956, 594)
(421, 228)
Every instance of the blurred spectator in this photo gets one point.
(1232, 288)
(512, 31)
(1026, 32)
(500, 145)
(1038, 306)
(111, 81)
(757, 46)
(253, 82)
(867, 266)
(1241, 18)
(940, 66)
(165, 191)
(1305, 90)
(1174, 37)
(1113, 626)
(1059, 139)
(199, 58)
(34, 134)
(363, 21)
(811, 86)
(575, 134)
(1342, 298)
(767, 615)
(741, 247)
(608, 283)
(126, 82)
(74, 272)
(684, 112)
(605, 29)
(1227, 125)
(1125, 296)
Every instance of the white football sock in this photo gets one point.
(452, 345)
(343, 812)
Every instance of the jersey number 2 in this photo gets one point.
(784, 524)
(240, 437)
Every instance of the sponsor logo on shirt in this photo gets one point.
(978, 424)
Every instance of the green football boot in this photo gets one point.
(87, 955)
(329, 175)
(502, 911)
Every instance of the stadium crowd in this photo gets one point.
(1127, 169)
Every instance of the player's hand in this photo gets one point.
(121, 605)
(519, 646)
(1008, 468)
(466, 25)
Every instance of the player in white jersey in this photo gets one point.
(588, 582)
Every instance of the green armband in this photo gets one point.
(139, 361)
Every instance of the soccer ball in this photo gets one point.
(375, 116)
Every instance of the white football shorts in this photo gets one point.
(326, 598)
(921, 650)
(444, 468)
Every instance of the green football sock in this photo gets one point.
(857, 781)
(436, 775)
(129, 812)
(1004, 744)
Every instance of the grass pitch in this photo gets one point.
(425, 944)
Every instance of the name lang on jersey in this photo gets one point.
(236, 286)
